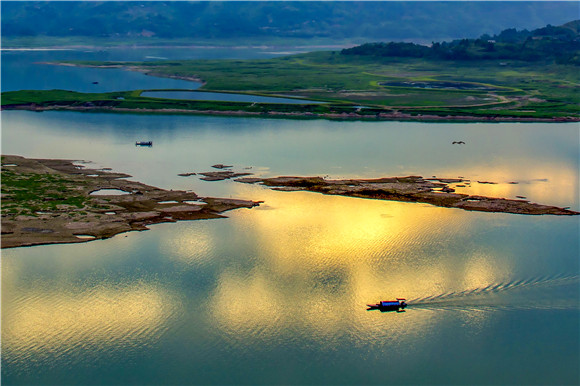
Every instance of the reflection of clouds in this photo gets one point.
(257, 309)
(56, 323)
(191, 245)
(309, 230)
(560, 189)
(481, 271)
(322, 258)
(246, 306)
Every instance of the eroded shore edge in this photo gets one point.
(435, 191)
(49, 201)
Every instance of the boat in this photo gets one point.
(144, 143)
(389, 305)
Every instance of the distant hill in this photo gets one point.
(388, 20)
(573, 26)
(560, 44)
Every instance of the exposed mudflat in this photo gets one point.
(220, 176)
(411, 189)
(48, 201)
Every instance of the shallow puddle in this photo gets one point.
(109, 192)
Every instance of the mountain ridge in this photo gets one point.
(393, 20)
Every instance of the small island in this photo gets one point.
(409, 189)
(49, 201)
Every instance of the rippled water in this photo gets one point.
(541, 158)
(276, 294)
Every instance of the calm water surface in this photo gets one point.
(220, 96)
(276, 294)
(25, 70)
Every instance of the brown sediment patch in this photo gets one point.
(223, 175)
(48, 201)
(192, 78)
(408, 189)
(222, 166)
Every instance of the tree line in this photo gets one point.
(560, 44)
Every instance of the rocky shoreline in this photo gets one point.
(409, 189)
(66, 212)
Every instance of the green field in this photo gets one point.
(28, 193)
(476, 88)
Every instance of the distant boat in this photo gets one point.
(389, 305)
(95, 82)
(144, 143)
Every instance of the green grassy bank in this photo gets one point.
(412, 86)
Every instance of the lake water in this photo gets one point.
(24, 70)
(221, 96)
(276, 294)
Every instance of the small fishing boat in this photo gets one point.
(144, 143)
(389, 305)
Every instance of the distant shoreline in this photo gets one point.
(436, 105)
(395, 116)
(177, 46)
(499, 103)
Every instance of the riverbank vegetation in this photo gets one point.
(490, 80)
(27, 193)
(351, 85)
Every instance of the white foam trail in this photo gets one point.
(545, 280)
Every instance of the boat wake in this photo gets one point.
(488, 297)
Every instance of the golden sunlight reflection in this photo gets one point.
(190, 247)
(323, 258)
(549, 184)
(307, 231)
(247, 305)
(57, 322)
(255, 308)
(482, 271)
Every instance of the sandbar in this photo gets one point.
(409, 189)
(49, 201)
